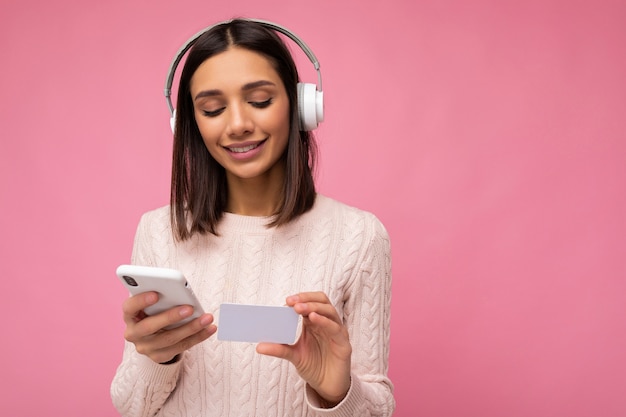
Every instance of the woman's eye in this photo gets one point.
(261, 104)
(213, 113)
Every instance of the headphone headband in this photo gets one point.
(313, 98)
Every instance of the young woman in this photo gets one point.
(245, 225)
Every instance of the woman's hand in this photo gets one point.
(322, 353)
(148, 335)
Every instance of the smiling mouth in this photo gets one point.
(244, 149)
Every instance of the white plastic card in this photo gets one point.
(257, 323)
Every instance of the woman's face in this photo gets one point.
(242, 111)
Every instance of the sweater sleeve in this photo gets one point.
(140, 386)
(367, 305)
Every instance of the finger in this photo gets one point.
(174, 341)
(167, 353)
(323, 309)
(276, 350)
(152, 324)
(173, 337)
(316, 301)
(308, 297)
(329, 333)
(132, 306)
(323, 325)
(157, 322)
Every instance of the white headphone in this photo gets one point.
(310, 96)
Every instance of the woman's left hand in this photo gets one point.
(322, 353)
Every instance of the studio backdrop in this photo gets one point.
(488, 136)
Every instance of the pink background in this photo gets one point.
(488, 136)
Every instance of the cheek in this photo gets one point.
(279, 121)
(209, 129)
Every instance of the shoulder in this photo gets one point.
(155, 225)
(153, 238)
(352, 222)
(360, 241)
(328, 207)
(158, 218)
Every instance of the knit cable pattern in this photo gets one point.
(333, 248)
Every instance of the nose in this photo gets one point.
(239, 121)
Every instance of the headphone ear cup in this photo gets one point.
(310, 106)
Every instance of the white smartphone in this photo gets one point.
(170, 284)
(257, 323)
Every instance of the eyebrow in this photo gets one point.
(245, 87)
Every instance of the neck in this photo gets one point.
(258, 196)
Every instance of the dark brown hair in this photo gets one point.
(199, 191)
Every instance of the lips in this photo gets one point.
(245, 150)
(244, 147)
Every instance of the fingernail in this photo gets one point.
(151, 298)
(185, 311)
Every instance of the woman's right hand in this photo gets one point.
(150, 338)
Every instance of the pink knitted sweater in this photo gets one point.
(333, 248)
